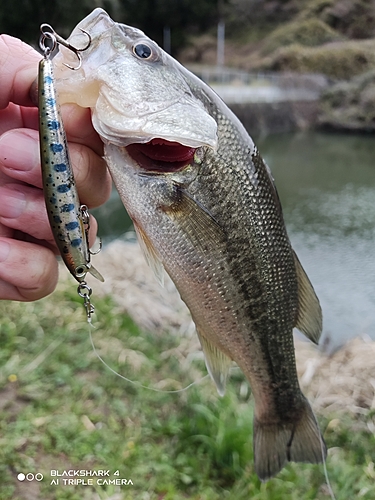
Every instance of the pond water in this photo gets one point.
(326, 184)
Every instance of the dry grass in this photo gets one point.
(342, 382)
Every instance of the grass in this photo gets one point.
(62, 409)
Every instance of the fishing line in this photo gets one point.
(322, 448)
(138, 384)
(134, 382)
(330, 490)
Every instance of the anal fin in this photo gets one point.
(217, 363)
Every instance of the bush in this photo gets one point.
(350, 105)
(336, 60)
(309, 33)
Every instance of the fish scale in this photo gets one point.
(245, 276)
(213, 222)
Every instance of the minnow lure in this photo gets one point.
(68, 219)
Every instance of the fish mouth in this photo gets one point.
(161, 155)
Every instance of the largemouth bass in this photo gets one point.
(206, 210)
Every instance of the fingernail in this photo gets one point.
(4, 250)
(12, 203)
(18, 151)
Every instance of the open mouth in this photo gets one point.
(161, 155)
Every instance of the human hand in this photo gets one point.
(28, 267)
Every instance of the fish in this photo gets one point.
(206, 211)
(67, 217)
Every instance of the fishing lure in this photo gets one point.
(69, 221)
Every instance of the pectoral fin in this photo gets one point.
(217, 363)
(309, 319)
(195, 220)
(150, 254)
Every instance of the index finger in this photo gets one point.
(19, 68)
(79, 128)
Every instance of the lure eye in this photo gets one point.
(142, 51)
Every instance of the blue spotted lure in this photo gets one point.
(68, 219)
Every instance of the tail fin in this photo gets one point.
(277, 444)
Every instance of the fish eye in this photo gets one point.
(142, 51)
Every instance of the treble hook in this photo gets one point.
(48, 32)
(85, 215)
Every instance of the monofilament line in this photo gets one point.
(330, 490)
(138, 384)
(134, 382)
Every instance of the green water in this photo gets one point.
(326, 184)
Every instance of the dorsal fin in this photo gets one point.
(309, 318)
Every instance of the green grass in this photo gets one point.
(61, 408)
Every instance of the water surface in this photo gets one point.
(326, 184)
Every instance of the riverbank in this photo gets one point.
(266, 102)
(345, 106)
(62, 409)
(276, 103)
(265, 118)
